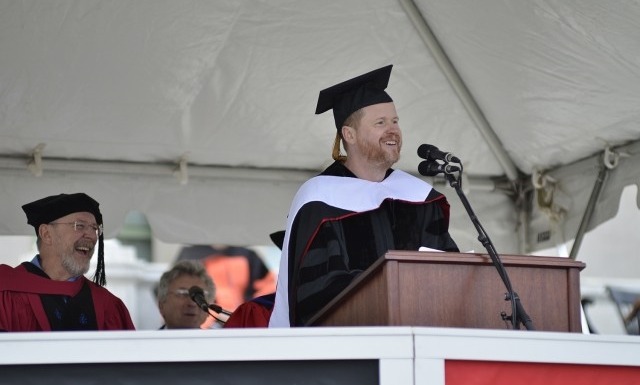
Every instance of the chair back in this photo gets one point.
(628, 304)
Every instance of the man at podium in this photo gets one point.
(357, 209)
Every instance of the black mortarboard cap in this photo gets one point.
(351, 95)
(47, 210)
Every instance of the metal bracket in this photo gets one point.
(610, 158)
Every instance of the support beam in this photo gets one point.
(458, 85)
(172, 171)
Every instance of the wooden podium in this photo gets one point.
(458, 290)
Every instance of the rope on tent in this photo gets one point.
(182, 171)
(551, 200)
(35, 164)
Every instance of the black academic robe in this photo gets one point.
(339, 225)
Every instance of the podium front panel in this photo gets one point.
(458, 290)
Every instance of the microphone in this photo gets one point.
(432, 168)
(197, 295)
(428, 151)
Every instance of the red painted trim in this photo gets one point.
(509, 373)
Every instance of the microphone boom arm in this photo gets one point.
(518, 314)
(219, 309)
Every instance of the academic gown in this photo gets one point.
(338, 225)
(22, 309)
(252, 314)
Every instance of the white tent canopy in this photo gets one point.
(200, 113)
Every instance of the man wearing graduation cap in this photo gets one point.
(51, 292)
(357, 209)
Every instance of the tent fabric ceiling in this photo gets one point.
(117, 92)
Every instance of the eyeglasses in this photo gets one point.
(184, 293)
(82, 227)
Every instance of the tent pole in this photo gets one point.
(523, 205)
(472, 108)
(458, 85)
(588, 212)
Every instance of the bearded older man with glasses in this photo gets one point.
(50, 293)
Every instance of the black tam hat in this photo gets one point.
(47, 210)
(351, 95)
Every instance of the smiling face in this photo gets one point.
(177, 308)
(376, 141)
(65, 251)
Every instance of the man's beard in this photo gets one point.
(76, 266)
(375, 154)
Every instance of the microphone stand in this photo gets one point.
(218, 313)
(518, 314)
(218, 309)
(213, 310)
